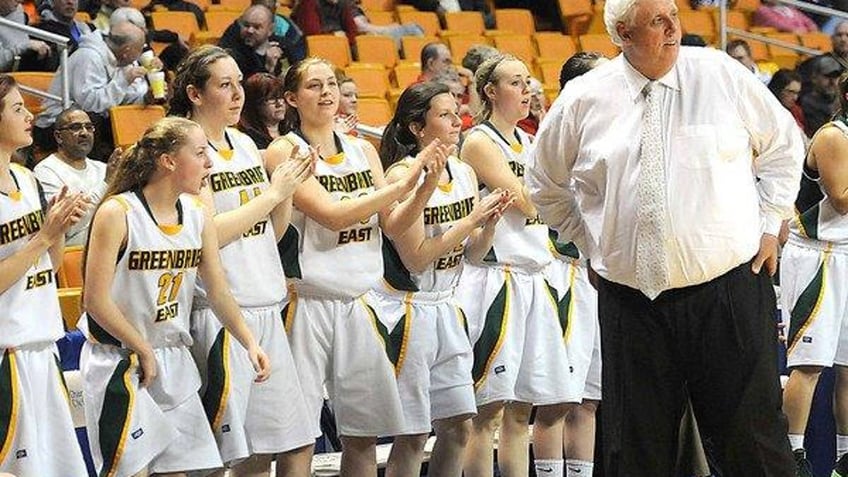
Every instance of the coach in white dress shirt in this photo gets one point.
(673, 169)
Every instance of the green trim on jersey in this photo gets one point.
(394, 271)
(563, 307)
(99, 334)
(116, 416)
(492, 336)
(491, 256)
(563, 249)
(394, 341)
(807, 306)
(809, 221)
(287, 247)
(217, 376)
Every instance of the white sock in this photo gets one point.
(796, 441)
(548, 467)
(841, 445)
(578, 468)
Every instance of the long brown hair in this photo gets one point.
(258, 88)
(7, 82)
(292, 82)
(195, 70)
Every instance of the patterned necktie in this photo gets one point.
(651, 268)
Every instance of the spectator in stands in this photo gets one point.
(538, 108)
(256, 49)
(70, 166)
(450, 77)
(103, 74)
(819, 100)
(335, 17)
(839, 41)
(436, 58)
(16, 49)
(784, 18)
(60, 20)
(394, 30)
(264, 109)
(176, 6)
(579, 64)
(101, 20)
(440, 7)
(287, 33)
(740, 51)
(786, 86)
(346, 117)
(474, 57)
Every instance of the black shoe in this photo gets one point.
(802, 465)
(841, 467)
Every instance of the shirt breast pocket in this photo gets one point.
(694, 147)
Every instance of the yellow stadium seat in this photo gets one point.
(203, 4)
(784, 57)
(555, 46)
(34, 79)
(468, 22)
(599, 43)
(516, 20)
(82, 17)
(236, 5)
(70, 303)
(70, 274)
(576, 15)
(428, 21)
(735, 19)
(377, 49)
(130, 121)
(370, 78)
(406, 73)
(549, 71)
(182, 23)
(285, 11)
(460, 44)
(332, 48)
(747, 6)
(374, 111)
(697, 22)
(412, 46)
(218, 22)
(520, 46)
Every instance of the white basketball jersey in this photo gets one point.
(251, 263)
(449, 203)
(519, 241)
(156, 273)
(319, 261)
(29, 309)
(815, 217)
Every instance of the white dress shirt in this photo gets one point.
(732, 159)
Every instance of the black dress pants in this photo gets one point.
(718, 340)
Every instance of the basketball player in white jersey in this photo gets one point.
(148, 242)
(520, 358)
(252, 422)
(36, 432)
(813, 291)
(332, 257)
(427, 335)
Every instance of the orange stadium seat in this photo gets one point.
(381, 18)
(460, 44)
(406, 73)
(182, 23)
(428, 21)
(374, 111)
(34, 79)
(371, 79)
(332, 48)
(236, 5)
(735, 19)
(130, 121)
(818, 40)
(70, 274)
(82, 17)
(576, 15)
(698, 22)
(746, 6)
(218, 22)
(784, 57)
(555, 46)
(516, 20)
(599, 43)
(203, 4)
(377, 49)
(549, 70)
(467, 22)
(70, 303)
(759, 50)
(377, 5)
(412, 46)
(520, 46)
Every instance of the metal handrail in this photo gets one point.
(369, 131)
(774, 41)
(62, 43)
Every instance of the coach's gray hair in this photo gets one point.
(127, 14)
(616, 11)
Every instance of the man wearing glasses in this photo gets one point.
(70, 166)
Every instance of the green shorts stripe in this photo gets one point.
(807, 306)
(494, 330)
(218, 380)
(9, 402)
(116, 415)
